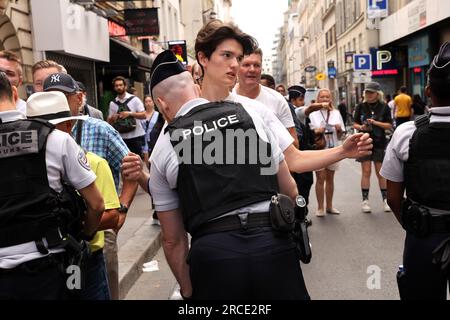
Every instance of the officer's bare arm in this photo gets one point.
(285, 181)
(395, 192)
(293, 133)
(176, 247)
(95, 207)
(355, 146)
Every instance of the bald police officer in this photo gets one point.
(418, 160)
(34, 223)
(235, 253)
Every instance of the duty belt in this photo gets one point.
(241, 221)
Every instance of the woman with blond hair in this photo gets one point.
(373, 116)
(328, 123)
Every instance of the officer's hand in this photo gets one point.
(132, 167)
(357, 145)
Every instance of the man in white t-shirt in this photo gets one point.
(220, 48)
(248, 85)
(134, 139)
(35, 159)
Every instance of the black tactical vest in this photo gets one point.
(29, 208)
(427, 171)
(219, 169)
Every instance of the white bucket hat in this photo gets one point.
(51, 106)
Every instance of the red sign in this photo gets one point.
(417, 70)
(389, 72)
(116, 29)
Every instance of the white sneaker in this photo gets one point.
(386, 206)
(365, 206)
(155, 222)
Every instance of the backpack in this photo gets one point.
(127, 124)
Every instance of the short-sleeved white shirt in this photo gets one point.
(268, 116)
(318, 120)
(277, 103)
(164, 164)
(64, 158)
(135, 105)
(397, 151)
(300, 113)
(21, 106)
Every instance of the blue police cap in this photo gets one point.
(166, 65)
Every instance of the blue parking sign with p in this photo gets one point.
(362, 62)
(380, 4)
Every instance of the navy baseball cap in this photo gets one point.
(61, 82)
(81, 86)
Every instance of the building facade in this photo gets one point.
(413, 32)
(16, 36)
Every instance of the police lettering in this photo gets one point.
(208, 127)
(13, 138)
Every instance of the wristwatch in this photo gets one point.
(123, 208)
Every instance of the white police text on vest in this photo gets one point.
(18, 143)
(214, 125)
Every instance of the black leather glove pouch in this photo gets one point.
(282, 214)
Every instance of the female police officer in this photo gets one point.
(418, 160)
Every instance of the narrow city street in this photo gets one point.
(349, 250)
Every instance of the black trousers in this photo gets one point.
(135, 144)
(40, 279)
(250, 264)
(422, 278)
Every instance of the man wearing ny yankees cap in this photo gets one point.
(224, 206)
(99, 137)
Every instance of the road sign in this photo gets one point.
(332, 73)
(362, 62)
(362, 76)
(377, 9)
(320, 76)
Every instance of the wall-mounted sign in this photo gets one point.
(320, 76)
(332, 73)
(349, 56)
(179, 49)
(142, 22)
(310, 69)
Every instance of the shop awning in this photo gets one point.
(123, 53)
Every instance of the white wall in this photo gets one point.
(66, 27)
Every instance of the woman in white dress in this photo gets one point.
(329, 122)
